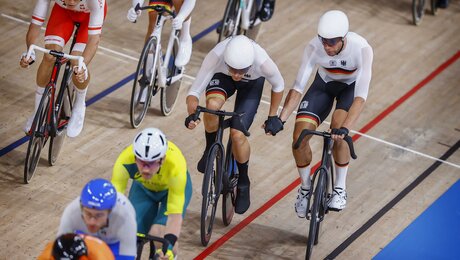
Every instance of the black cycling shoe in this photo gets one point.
(201, 166)
(242, 201)
(442, 3)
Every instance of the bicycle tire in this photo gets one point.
(229, 182)
(227, 26)
(418, 11)
(315, 216)
(64, 105)
(170, 92)
(38, 137)
(434, 7)
(138, 108)
(255, 25)
(210, 191)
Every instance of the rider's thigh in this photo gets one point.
(47, 58)
(338, 117)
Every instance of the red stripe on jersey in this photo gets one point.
(94, 28)
(340, 71)
(216, 92)
(38, 19)
(309, 117)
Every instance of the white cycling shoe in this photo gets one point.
(301, 203)
(338, 200)
(28, 124)
(185, 51)
(76, 121)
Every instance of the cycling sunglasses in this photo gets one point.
(149, 164)
(238, 71)
(330, 42)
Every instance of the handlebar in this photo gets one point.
(157, 8)
(165, 243)
(325, 134)
(56, 54)
(221, 113)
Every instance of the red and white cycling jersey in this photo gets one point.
(95, 8)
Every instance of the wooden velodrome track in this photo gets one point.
(411, 119)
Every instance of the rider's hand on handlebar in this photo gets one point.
(169, 254)
(273, 125)
(177, 22)
(133, 15)
(81, 74)
(339, 133)
(191, 122)
(25, 63)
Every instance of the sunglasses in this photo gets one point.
(330, 42)
(149, 164)
(238, 71)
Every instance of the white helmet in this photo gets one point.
(239, 53)
(150, 145)
(333, 24)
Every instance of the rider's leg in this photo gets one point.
(341, 155)
(185, 40)
(43, 77)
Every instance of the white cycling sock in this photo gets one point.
(341, 176)
(80, 97)
(304, 174)
(38, 97)
(185, 31)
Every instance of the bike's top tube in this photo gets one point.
(220, 113)
(158, 8)
(55, 54)
(325, 134)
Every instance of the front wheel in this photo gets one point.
(174, 79)
(38, 137)
(229, 23)
(316, 212)
(144, 83)
(418, 11)
(210, 191)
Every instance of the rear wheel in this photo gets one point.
(418, 11)
(170, 92)
(210, 192)
(38, 137)
(316, 215)
(144, 83)
(229, 23)
(62, 119)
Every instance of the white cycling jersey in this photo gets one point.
(121, 229)
(94, 7)
(352, 64)
(213, 63)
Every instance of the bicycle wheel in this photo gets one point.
(210, 191)
(229, 23)
(38, 137)
(143, 85)
(255, 23)
(171, 91)
(434, 8)
(64, 106)
(418, 10)
(316, 209)
(229, 182)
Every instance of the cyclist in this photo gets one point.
(102, 212)
(90, 15)
(240, 65)
(345, 67)
(161, 187)
(181, 22)
(74, 246)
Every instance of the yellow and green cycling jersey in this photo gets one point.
(172, 176)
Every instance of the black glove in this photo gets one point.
(273, 125)
(342, 131)
(190, 118)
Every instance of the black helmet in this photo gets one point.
(69, 246)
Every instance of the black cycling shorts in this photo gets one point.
(317, 102)
(249, 93)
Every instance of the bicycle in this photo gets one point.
(53, 112)
(220, 177)
(418, 10)
(240, 17)
(163, 74)
(143, 239)
(321, 185)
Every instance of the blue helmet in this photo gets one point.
(98, 194)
